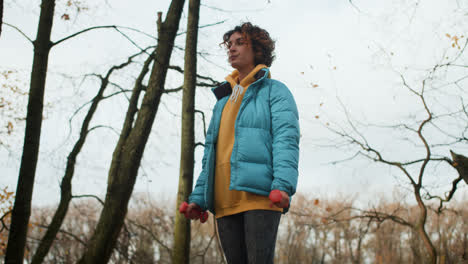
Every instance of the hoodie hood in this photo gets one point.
(259, 72)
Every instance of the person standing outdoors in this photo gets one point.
(251, 149)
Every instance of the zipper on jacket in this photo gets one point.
(247, 97)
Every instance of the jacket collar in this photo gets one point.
(225, 89)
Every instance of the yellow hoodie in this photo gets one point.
(229, 202)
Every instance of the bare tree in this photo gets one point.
(66, 184)
(70, 240)
(181, 252)
(335, 230)
(130, 147)
(327, 231)
(22, 206)
(416, 170)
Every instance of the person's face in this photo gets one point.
(240, 52)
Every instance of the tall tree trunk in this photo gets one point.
(181, 252)
(129, 150)
(24, 190)
(1, 16)
(66, 185)
(421, 230)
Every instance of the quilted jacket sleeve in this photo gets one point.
(286, 134)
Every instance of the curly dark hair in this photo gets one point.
(262, 44)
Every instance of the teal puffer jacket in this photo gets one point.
(265, 155)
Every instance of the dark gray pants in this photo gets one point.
(249, 237)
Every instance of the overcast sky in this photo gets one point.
(327, 52)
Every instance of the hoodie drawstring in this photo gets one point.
(238, 89)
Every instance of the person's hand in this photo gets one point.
(193, 211)
(279, 199)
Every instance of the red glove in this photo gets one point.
(279, 199)
(193, 212)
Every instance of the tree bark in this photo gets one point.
(421, 230)
(181, 251)
(1, 16)
(24, 190)
(129, 150)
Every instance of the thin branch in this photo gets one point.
(81, 32)
(203, 252)
(407, 86)
(4, 226)
(150, 232)
(203, 120)
(198, 144)
(106, 78)
(458, 65)
(348, 118)
(447, 197)
(423, 139)
(369, 149)
(396, 126)
(421, 126)
(451, 63)
(21, 32)
(455, 138)
(215, 64)
(129, 39)
(464, 106)
(346, 159)
(422, 160)
(89, 196)
(354, 6)
(461, 52)
(99, 27)
(214, 82)
(204, 26)
(117, 93)
(175, 90)
(122, 90)
(213, 24)
(373, 215)
(103, 126)
(64, 232)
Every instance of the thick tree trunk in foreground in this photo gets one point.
(181, 252)
(129, 150)
(24, 189)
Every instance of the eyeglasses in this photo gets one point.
(237, 42)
